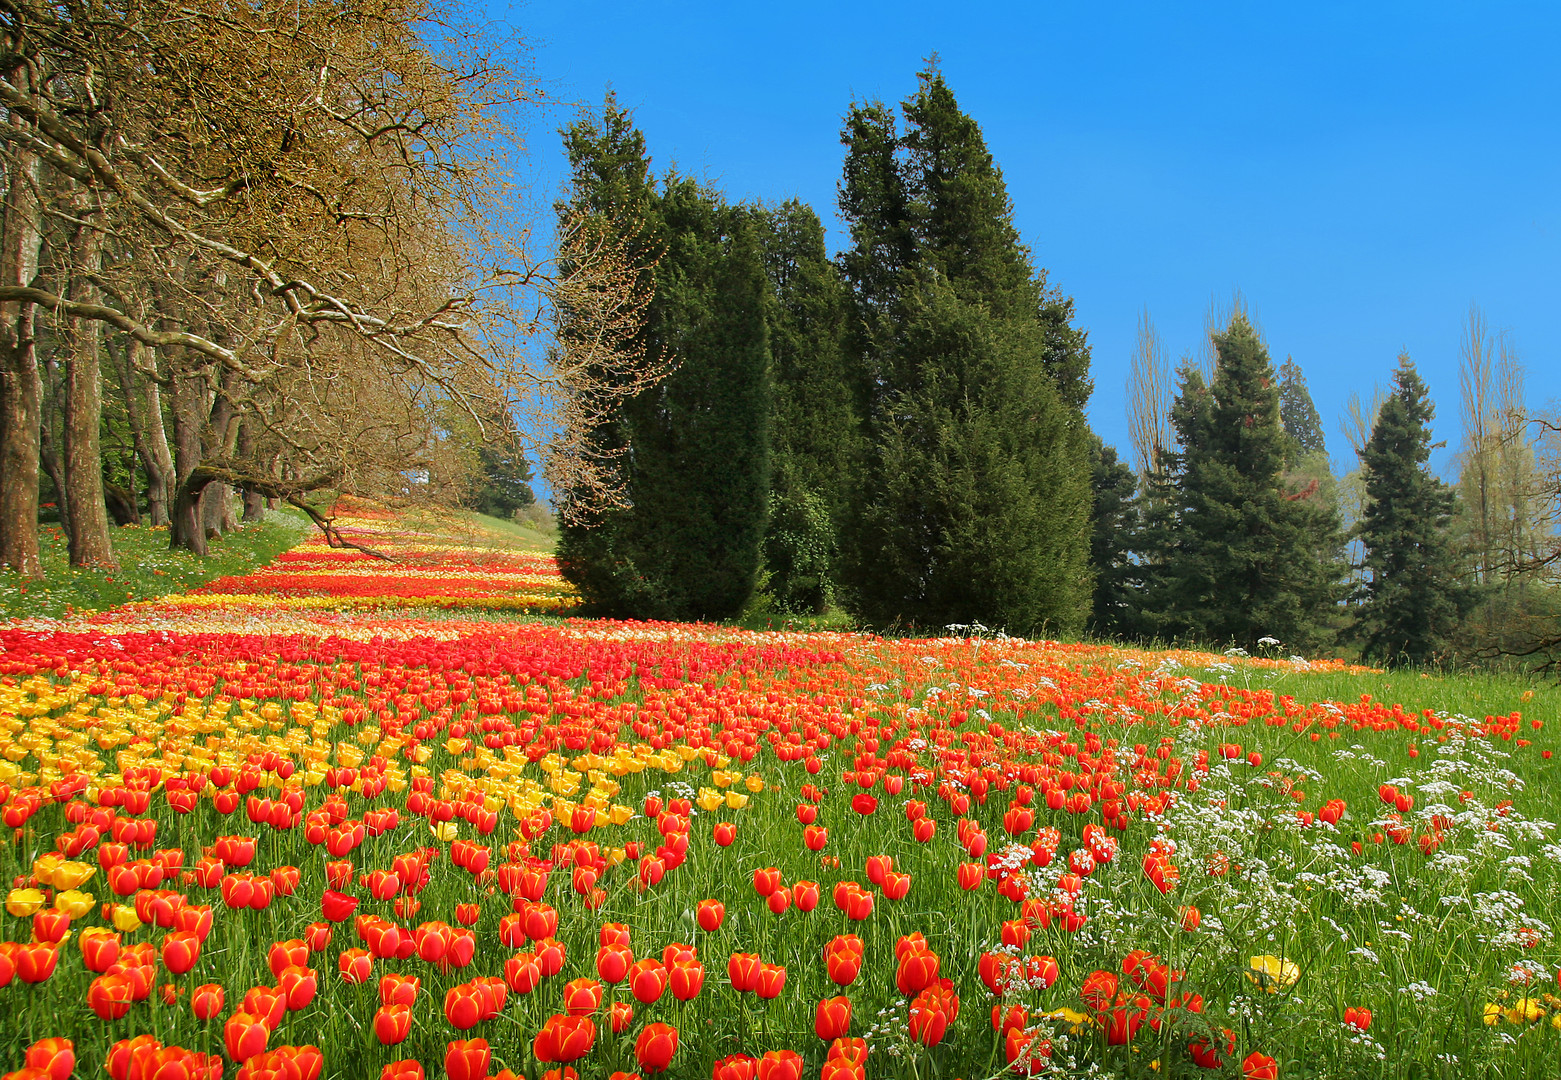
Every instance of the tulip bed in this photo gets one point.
(349, 818)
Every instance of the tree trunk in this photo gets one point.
(146, 428)
(254, 502)
(21, 391)
(82, 339)
(185, 527)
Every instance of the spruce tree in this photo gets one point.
(816, 401)
(974, 499)
(1298, 414)
(1413, 595)
(1114, 535)
(1250, 559)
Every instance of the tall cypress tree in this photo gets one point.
(1250, 559)
(814, 410)
(692, 451)
(1413, 595)
(974, 502)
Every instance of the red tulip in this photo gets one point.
(402, 1070)
(392, 1024)
(337, 907)
(743, 971)
(206, 1001)
(710, 914)
(468, 1060)
(647, 981)
(564, 1039)
(181, 949)
(725, 833)
(878, 866)
(399, 989)
(686, 978)
(54, 1057)
(814, 837)
(244, 1036)
(924, 829)
(463, 1007)
(735, 1067)
(522, 973)
(613, 933)
(656, 1046)
(805, 895)
(99, 949)
(832, 1018)
(864, 803)
(356, 965)
(35, 960)
(619, 1016)
(971, 875)
(772, 980)
(285, 954)
(1208, 1055)
(1259, 1066)
(766, 880)
(780, 1065)
(582, 997)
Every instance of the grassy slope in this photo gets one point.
(147, 567)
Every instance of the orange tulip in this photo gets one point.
(686, 978)
(35, 960)
(285, 954)
(743, 971)
(399, 989)
(402, 1070)
(647, 981)
(779, 1065)
(619, 1016)
(298, 985)
(1259, 1066)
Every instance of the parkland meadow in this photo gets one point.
(346, 817)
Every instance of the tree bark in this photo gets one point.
(82, 341)
(49, 462)
(185, 526)
(21, 390)
(254, 502)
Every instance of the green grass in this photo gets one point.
(147, 567)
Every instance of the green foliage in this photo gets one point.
(1249, 559)
(1413, 595)
(148, 569)
(974, 495)
(502, 484)
(1298, 415)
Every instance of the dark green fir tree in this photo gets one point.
(1114, 535)
(1298, 414)
(974, 500)
(1413, 594)
(1250, 559)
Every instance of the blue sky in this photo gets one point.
(1362, 173)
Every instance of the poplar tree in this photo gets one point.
(1114, 533)
(1250, 559)
(1413, 594)
(975, 498)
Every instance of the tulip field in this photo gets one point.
(348, 817)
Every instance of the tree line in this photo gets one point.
(899, 432)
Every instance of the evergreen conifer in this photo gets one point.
(1412, 596)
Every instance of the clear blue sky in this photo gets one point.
(1361, 172)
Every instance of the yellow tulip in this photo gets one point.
(736, 800)
(1273, 973)
(73, 875)
(75, 904)
(125, 920)
(709, 800)
(755, 783)
(24, 902)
